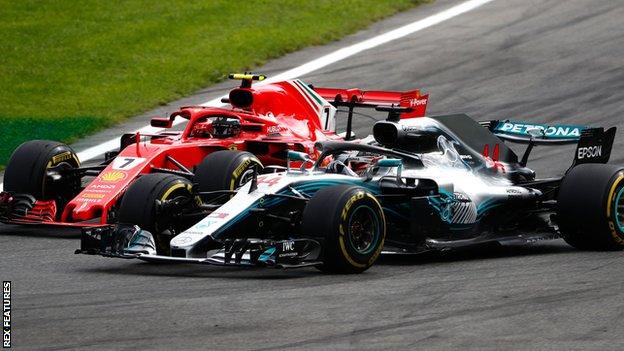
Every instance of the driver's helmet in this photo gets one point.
(202, 130)
(225, 127)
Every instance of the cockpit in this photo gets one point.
(453, 142)
(216, 127)
(360, 159)
(442, 155)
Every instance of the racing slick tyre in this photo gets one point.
(141, 205)
(26, 171)
(591, 207)
(225, 170)
(352, 224)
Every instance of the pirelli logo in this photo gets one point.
(61, 157)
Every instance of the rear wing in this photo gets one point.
(413, 104)
(519, 131)
(413, 99)
(593, 144)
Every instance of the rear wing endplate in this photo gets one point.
(594, 146)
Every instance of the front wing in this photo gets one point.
(130, 242)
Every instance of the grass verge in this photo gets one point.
(69, 68)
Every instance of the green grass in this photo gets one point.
(69, 68)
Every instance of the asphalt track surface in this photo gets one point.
(537, 60)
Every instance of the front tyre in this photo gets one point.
(225, 170)
(591, 207)
(142, 205)
(29, 165)
(352, 224)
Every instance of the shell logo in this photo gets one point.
(93, 196)
(112, 176)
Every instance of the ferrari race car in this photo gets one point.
(424, 184)
(45, 183)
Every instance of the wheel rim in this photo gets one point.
(169, 228)
(619, 209)
(363, 229)
(67, 189)
(245, 177)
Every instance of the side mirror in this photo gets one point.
(297, 156)
(393, 162)
(160, 122)
(390, 162)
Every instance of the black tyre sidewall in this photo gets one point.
(26, 170)
(585, 196)
(138, 205)
(223, 170)
(327, 215)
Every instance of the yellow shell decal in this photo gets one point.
(112, 176)
(93, 196)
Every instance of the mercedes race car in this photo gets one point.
(45, 183)
(431, 183)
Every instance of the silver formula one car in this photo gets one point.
(424, 184)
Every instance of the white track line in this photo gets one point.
(318, 63)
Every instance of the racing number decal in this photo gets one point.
(126, 163)
(269, 180)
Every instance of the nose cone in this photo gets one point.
(85, 211)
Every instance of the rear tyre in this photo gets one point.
(225, 170)
(139, 206)
(591, 207)
(352, 224)
(26, 171)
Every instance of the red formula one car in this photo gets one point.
(45, 183)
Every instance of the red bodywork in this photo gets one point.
(274, 117)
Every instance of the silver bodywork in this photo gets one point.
(470, 189)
